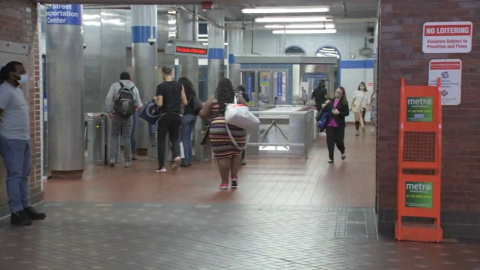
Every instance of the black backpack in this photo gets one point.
(124, 103)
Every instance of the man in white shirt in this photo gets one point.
(14, 143)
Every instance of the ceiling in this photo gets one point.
(347, 9)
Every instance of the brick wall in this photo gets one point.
(400, 54)
(18, 23)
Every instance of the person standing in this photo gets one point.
(170, 97)
(14, 143)
(228, 155)
(121, 102)
(304, 96)
(360, 104)
(189, 119)
(337, 110)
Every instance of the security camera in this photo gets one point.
(152, 41)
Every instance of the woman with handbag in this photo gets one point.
(360, 105)
(189, 119)
(337, 110)
(228, 155)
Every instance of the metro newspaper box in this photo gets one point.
(419, 164)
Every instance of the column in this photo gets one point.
(144, 53)
(187, 64)
(235, 48)
(216, 50)
(65, 84)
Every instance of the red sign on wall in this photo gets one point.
(191, 50)
(447, 37)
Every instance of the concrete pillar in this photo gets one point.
(216, 50)
(65, 84)
(144, 53)
(187, 65)
(235, 48)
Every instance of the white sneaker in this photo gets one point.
(162, 170)
(176, 163)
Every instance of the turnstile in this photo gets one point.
(96, 140)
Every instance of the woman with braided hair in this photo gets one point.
(224, 150)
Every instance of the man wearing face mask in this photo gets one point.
(14, 143)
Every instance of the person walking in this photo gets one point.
(189, 119)
(14, 143)
(373, 111)
(224, 150)
(169, 98)
(337, 110)
(122, 100)
(360, 105)
(320, 94)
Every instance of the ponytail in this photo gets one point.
(5, 71)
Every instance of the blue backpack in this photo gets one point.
(322, 123)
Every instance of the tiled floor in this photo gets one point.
(289, 213)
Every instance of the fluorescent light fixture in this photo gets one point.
(225, 43)
(301, 26)
(307, 9)
(202, 35)
(309, 31)
(205, 43)
(172, 12)
(172, 21)
(292, 19)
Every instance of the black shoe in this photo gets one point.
(20, 219)
(34, 214)
(234, 184)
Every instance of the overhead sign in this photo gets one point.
(447, 37)
(191, 50)
(450, 70)
(64, 14)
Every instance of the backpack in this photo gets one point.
(123, 106)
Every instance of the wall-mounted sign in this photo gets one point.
(450, 70)
(264, 79)
(419, 109)
(447, 37)
(419, 194)
(279, 84)
(64, 14)
(191, 50)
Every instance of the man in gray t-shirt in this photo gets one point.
(14, 143)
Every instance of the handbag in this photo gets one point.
(239, 115)
(205, 134)
(196, 103)
(322, 123)
(358, 109)
(150, 112)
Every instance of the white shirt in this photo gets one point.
(361, 97)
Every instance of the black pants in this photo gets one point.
(357, 123)
(335, 135)
(168, 123)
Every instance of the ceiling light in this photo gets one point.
(172, 21)
(292, 19)
(302, 26)
(205, 43)
(310, 31)
(172, 12)
(286, 9)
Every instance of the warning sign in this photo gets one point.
(450, 70)
(447, 37)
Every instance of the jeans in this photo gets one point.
(168, 123)
(16, 157)
(133, 138)
(188, 124)
(122, 126)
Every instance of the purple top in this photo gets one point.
(332, 122)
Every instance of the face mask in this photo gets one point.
(338, 95)
(23, 79)
(362, 87)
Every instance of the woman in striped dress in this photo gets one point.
(224, 150)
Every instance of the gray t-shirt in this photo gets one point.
(15, 120)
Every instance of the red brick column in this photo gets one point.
(400, 54)
(18, 23)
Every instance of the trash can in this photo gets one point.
(96, 138)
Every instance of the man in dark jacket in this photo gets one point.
(320, 94)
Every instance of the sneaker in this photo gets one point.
(111, 163)
(176, 163)
(127, 164)
(357, 133)
(162, 170)
(223, 186)
(34, 214)
(330, 161)
(20, 219)
(234, 183)
(344, 156)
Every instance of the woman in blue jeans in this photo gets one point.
(188, 122)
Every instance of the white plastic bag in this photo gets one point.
(239, 115)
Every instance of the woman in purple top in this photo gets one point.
(337, 109)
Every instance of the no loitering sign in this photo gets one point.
(447, 37)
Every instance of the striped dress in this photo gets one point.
(221, 143)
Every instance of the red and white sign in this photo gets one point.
(447, 37)
(450, 70)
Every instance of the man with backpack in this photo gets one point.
(122, 100)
